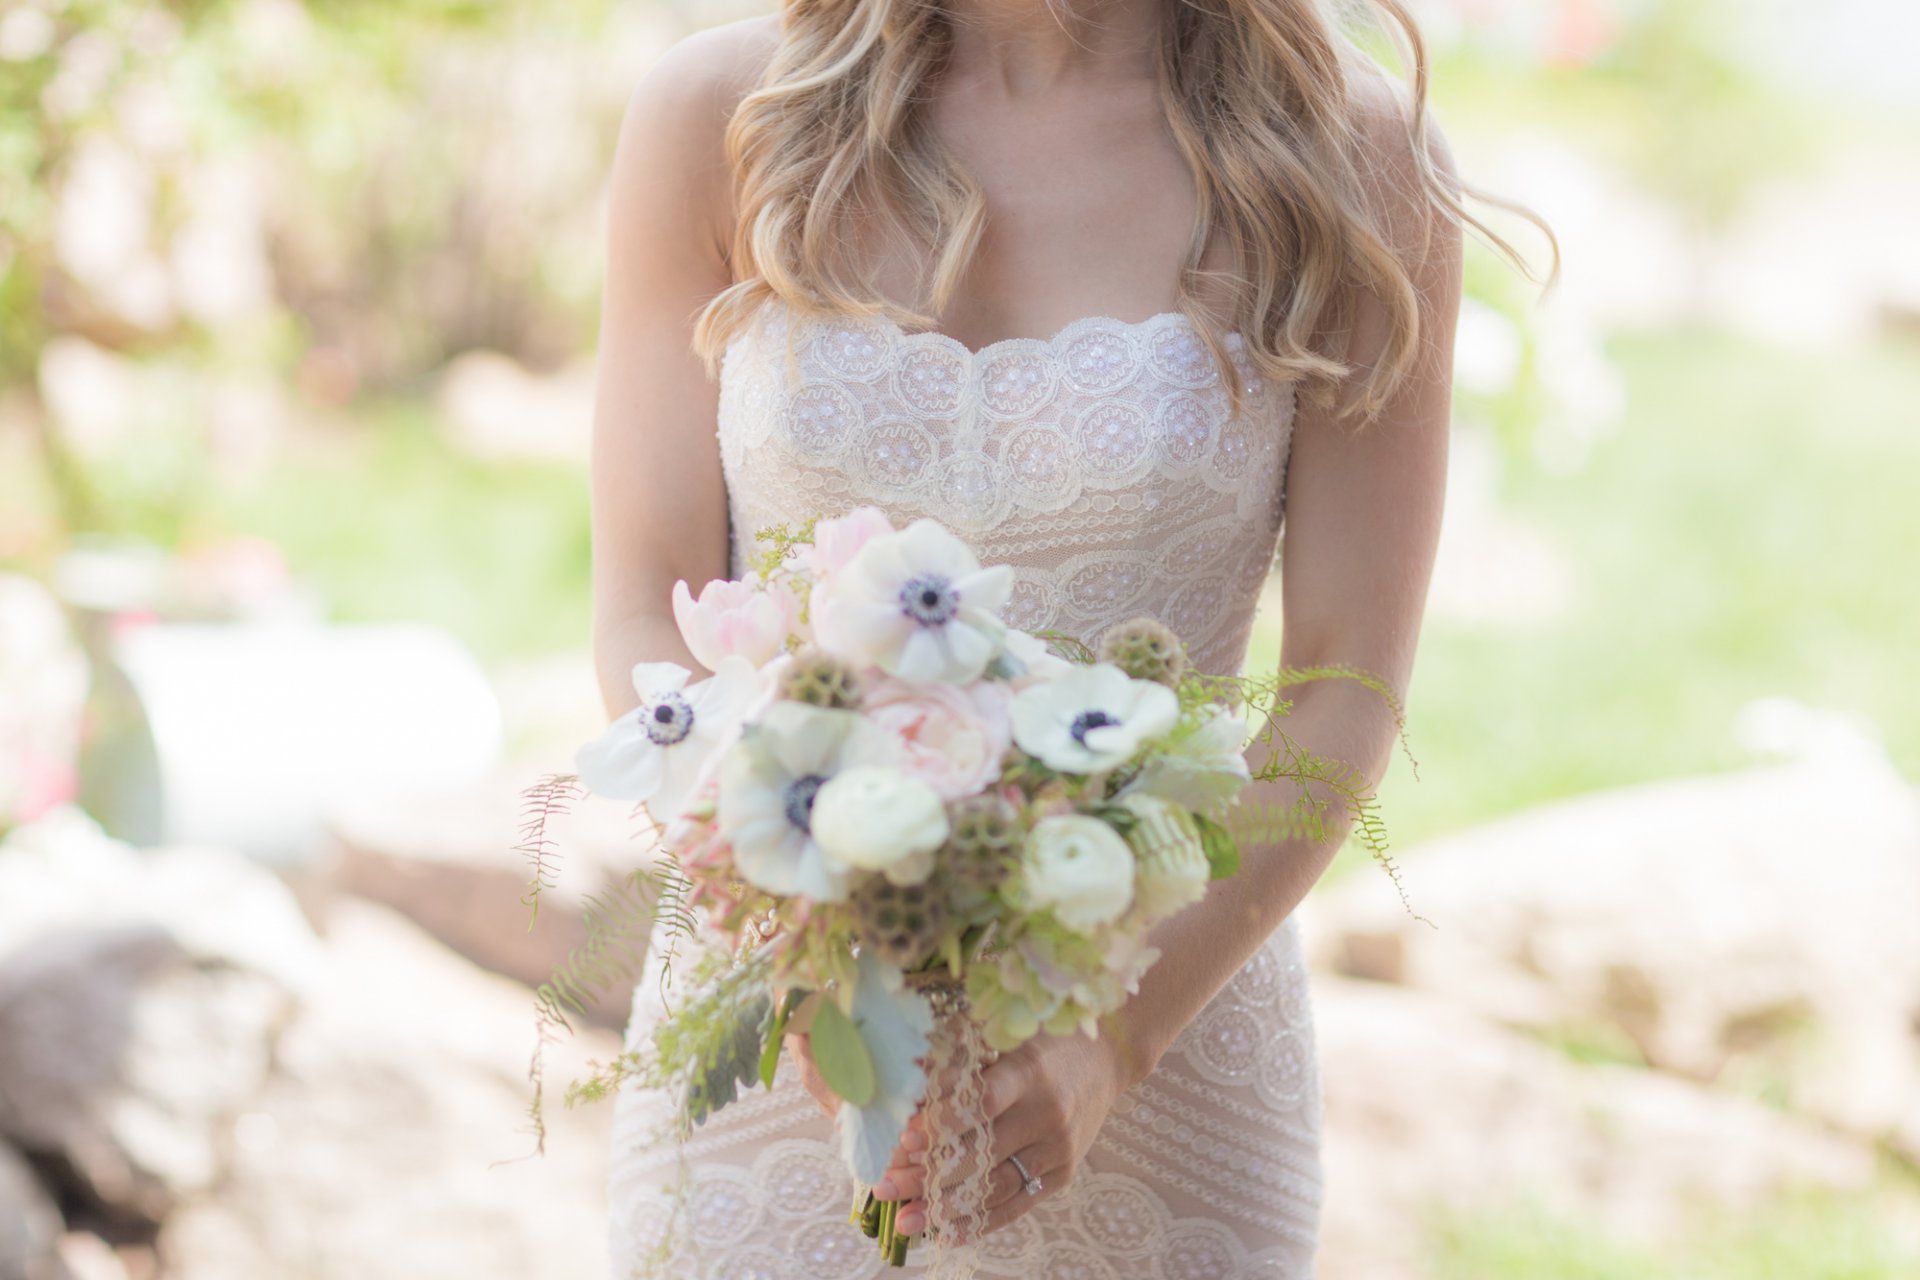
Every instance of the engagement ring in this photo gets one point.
(1027, 1180)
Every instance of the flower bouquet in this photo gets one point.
(924, 835)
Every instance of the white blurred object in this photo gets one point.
(257, 730)
(1783, 728)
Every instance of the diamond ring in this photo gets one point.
(1027, 1180)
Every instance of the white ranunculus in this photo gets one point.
(916, 604)
(1172, 871)
(1203, 770)
(659, 751)
(875, 817)
(768, 785)
(1079, 868)
(1091, 717)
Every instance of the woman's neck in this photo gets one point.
(1024, 47)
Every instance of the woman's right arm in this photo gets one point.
(659, 510)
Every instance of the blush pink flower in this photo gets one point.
(835, 541)
(952, 737)
(735, 618)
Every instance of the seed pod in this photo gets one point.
(902, 924)
(819, 679)
(1146, 649)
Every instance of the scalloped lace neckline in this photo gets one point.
(1051, 343)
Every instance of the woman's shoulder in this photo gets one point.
(703, 74)
(674, 126)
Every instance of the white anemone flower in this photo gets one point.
(916, 604)
(658, 752)
(1092, 717)
(767, 788)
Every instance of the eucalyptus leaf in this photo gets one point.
(770, 1053)
(841, 1055)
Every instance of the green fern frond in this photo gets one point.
(618, 921)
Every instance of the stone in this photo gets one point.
(446, 860)
(391, 1144)
(1428, 1105)
(124, 1059)
(30, 1223)
(1751, 929)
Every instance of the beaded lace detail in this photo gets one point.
(1101, 464)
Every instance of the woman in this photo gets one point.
(1108, 286)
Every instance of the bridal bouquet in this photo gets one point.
(927, 835)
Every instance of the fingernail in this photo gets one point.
(884, 1189)
(914, 1140)
(910, 1221)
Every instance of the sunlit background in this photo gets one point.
(297, 331)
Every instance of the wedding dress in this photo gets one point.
(1102, 465)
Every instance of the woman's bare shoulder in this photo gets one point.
(697, 80)
(677, 113)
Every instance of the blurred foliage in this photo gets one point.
(1667, 100)
(427, 173)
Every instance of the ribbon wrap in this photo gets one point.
(959, 1131)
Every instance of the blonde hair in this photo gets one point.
(1258, 94)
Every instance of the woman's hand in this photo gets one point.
(802, 1049)
(1047, 1100)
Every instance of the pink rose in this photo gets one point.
(835, 541)
(954, 738)
(735, 618)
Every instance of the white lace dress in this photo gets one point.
(1102, 465)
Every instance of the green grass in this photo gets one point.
(393, 523)
(1814, 1235)
(1752, 528)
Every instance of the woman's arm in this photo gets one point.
(1362, 530)
(658, 499)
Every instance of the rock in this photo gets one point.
(1752, 929)
(447, 861)
(88, 1257)
(377, 1151)
(1428, 1105)
(125, 1060)
(63, 872)
(30, 1223)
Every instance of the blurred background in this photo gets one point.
(297, 329)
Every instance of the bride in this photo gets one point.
(1111, 287)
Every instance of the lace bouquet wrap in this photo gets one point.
(924, 836)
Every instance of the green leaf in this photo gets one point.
(770, 1054)
(1223, 851)
(841, 1054)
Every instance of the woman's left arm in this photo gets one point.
(1362, 530)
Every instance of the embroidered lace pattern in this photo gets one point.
(1101, 463)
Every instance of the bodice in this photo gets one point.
(1101, 463)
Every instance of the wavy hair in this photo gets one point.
(1260, 97)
